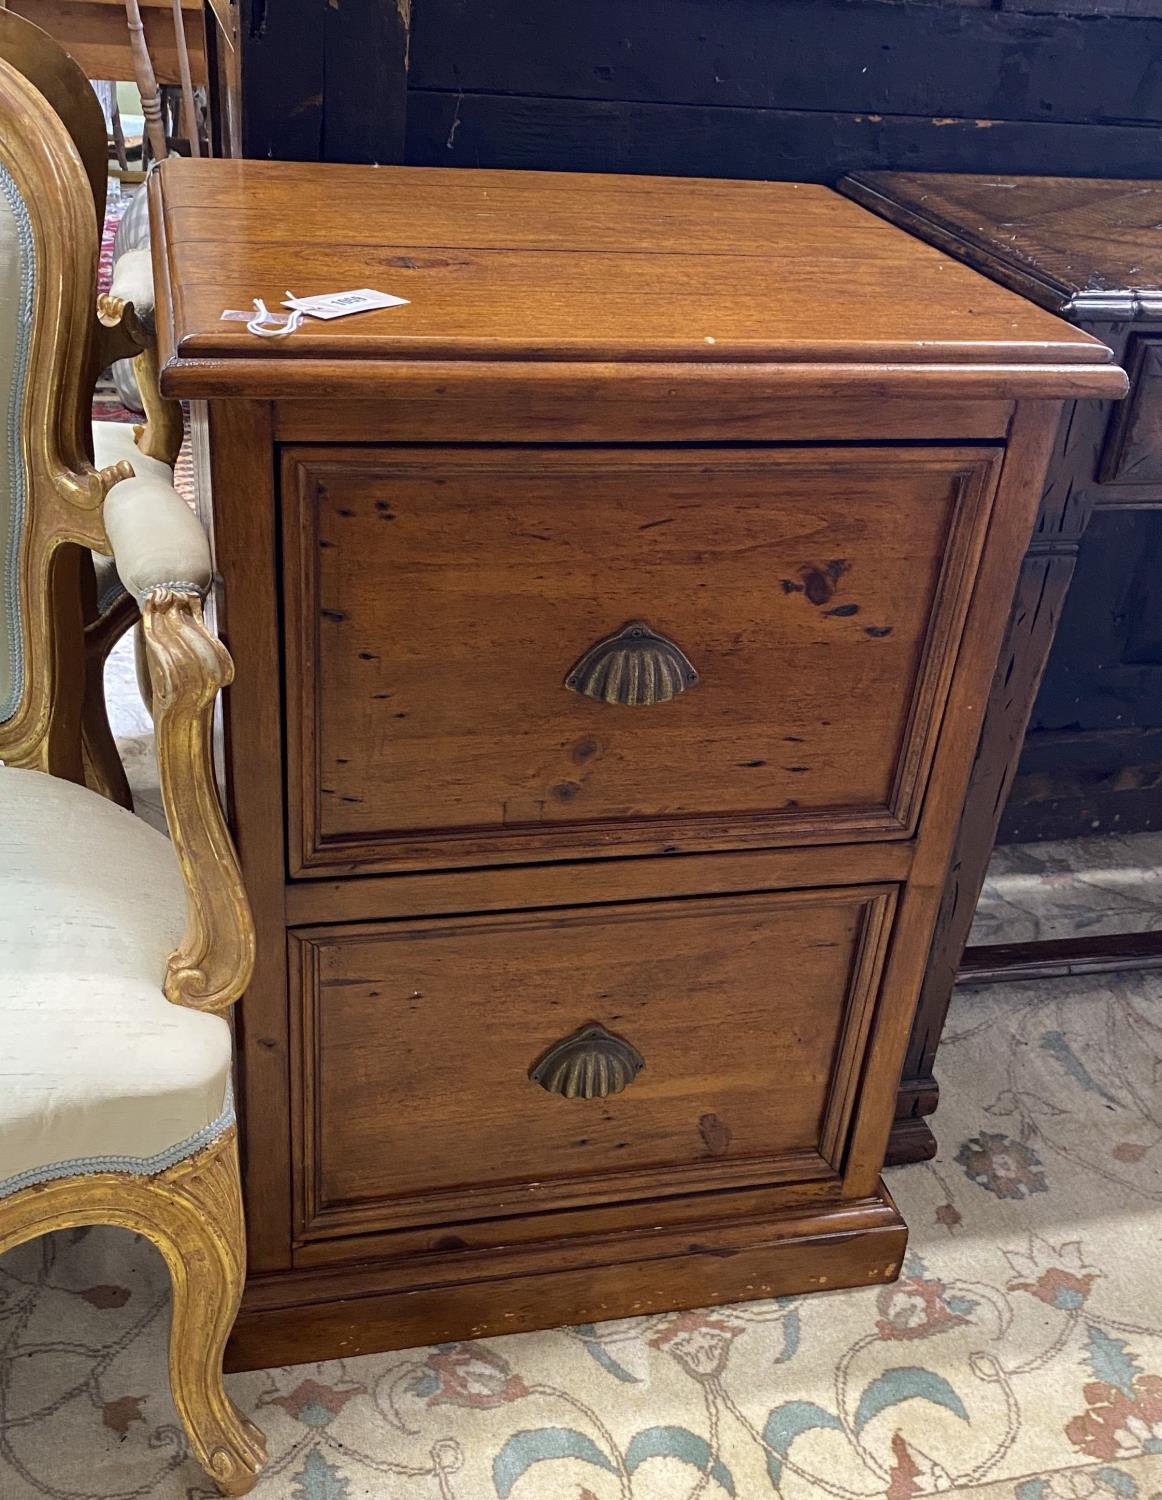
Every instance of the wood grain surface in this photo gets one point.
(454, 1293)
(417, 1036)
(1051, 238)
(97, 38)
(657, 270)
(819, 592)
(235, 475)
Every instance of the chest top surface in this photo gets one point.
(1080, 246)
(561, 267)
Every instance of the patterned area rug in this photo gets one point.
(1019, 1356)
(1079, 888)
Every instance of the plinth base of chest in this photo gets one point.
(299, 1316)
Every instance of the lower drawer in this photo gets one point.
(482, 1066)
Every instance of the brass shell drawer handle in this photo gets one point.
(635, 667)
(590, 1064)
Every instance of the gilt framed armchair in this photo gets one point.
(121, 951)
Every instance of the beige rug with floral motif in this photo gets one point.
(1020, 1355)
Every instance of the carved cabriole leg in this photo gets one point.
(208, 1267)
(193, 1214)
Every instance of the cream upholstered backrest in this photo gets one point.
(50, 495)
(17, 285)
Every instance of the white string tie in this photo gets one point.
(268, 325)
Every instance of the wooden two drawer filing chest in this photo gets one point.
(613, 624)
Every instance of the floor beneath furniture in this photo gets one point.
(1080, 888)
(1019, 1356)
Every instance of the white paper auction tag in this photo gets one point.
(340, 304)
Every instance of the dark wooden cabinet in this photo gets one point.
(1072, 741)
(613, 623)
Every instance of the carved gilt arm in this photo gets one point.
(163, 559)
(125, 311)
(125, 315)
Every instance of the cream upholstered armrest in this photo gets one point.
(157, 540)
(163, 558)
(131, 286)
(125, 315)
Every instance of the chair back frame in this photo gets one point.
(57, 494)
(48, 67)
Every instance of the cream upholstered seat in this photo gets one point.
(98, 1070)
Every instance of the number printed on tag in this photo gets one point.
(341, 304)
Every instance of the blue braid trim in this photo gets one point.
(137, 1166)
(14, 438)
(173, 586)
(109, 596)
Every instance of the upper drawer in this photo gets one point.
(800, 611)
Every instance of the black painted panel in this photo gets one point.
(281, 104)
(493, 130)
(323, 81)
(842, 56)
(1099, 675)
(1092, 760)
(802, 89)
